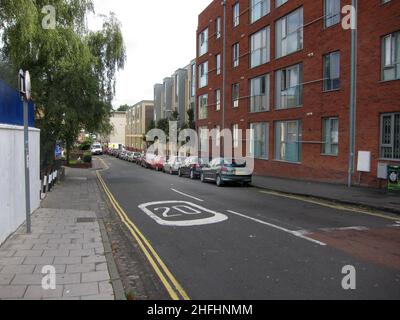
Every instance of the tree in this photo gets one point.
(124, 108)
(192, 123)
(73, 70)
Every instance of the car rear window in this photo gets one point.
(234, 163)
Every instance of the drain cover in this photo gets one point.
(85, 220)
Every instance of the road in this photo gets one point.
(245, 243)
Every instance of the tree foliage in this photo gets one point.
(73, 70)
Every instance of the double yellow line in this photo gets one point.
(174, 289)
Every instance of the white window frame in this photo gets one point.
(259, 9)
(332, 11)
(264, 49)
(390, 54)
(236, 14)
(284, 36)
(235, 55)
(203, 74)
(203, 42)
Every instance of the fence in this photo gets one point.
(12, 172)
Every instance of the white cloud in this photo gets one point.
(160, 37)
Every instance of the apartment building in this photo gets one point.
(138, 119)
(177, 93)
(117, 135)
(283, 67)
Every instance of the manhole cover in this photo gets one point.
(85, 220)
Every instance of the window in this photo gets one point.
(218, 63)
(203, 42)
(218, 28)
(278, 3)
(203, 104)
(203, 134)
(193, 80)
(236, 14)
(259, 9)
(289, 33)
(391, 57)
(259, 140)
(218, 136)
(235, 95)
(235, 55)
(288, 141)
(332, 12)
(259, 94)
(330, 136)
(235, 129)
(260, 44)
(289, 88)
(203, 74)
(390, 136)
(332, 71)
(218, 100)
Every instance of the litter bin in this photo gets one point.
(394, 178)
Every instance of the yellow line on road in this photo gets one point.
(147, 249)
(330, 205)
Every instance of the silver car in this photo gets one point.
(173, 164)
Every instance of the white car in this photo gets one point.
(96, 149)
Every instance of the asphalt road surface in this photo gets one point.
(245, 243)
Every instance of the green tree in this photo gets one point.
(73, 70)
(124, 108)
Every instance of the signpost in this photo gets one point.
(24, 82)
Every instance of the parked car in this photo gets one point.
(148, 160)
(133, 156)
(223, 171)
(191, 168)
(158, 163)
(173, 164)
(96, 149)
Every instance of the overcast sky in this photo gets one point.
(160, 37)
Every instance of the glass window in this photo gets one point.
(289, 33)
(235, 95)
(330, 134)
(259, 9)
(203, 74)
(235, 135)
(193, 80)
(218, 136)
(259, 140)
(332, 71)
(391, 56)
(289, 87)
(260, 45)
(203, 104)
(218, 28)
(203, 134)
(236, 14)
(235, 55)
(203, 42)
(218, 99)
(390, 136)
(259, 94)
(278, 3)
(332, 12)
(218, 63)
(288, 141)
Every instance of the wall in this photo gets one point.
(118, 120)
(12, 187)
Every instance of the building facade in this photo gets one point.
(117, 136)
(282, 68)
(176, 94)
(138, 120)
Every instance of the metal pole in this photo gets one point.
(26, 156)
(224, 67)
(353, 95)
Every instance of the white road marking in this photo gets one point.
(345, 229)
(165, 207)
(187, 195)
(299, 233)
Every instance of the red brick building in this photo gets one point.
(287, 76)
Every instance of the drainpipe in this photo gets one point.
(224, 67)
(353, 95)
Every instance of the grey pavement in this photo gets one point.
(66, 234)
(369, 197)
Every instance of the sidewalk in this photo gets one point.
(67, 233)
(360, 196)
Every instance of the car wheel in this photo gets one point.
(219, 181)
(192, 176)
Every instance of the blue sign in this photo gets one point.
(58, 152)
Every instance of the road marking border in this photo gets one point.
(325, 203)
(187, 195)
(172, 286)
(298, 234)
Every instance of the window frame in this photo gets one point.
(267, 48)
(279, 86)
(253, 5)
(326, 26)
(267, 93)
(203, 115)
(266, 142)
(324, 135)
(394, 36)
(392, 138)
(279, 145)
(330, 80)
